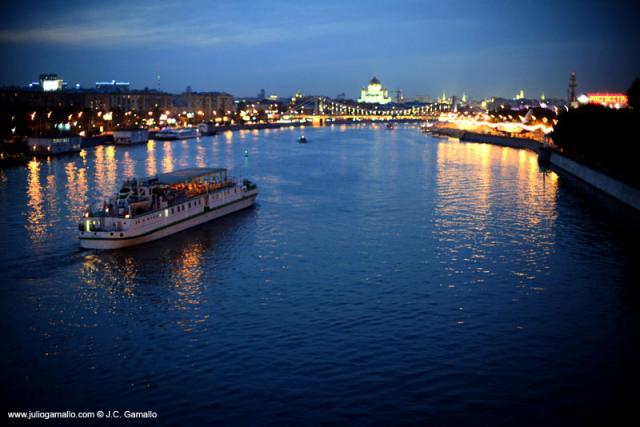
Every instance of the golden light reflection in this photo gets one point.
(228, 137)
(36, 223)
(129, 165)
(167, 157)
(111, 168)
(109, 272)
(106, 170)
(189, 285)
(51, 195)
(152, 167)
(487, 195)
(99, 168)
(188, 273)
(77, 188)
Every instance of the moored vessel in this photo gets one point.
(208, 129)
(130, 136)
(178, 133)
(151, 208)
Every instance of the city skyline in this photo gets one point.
(479, 48)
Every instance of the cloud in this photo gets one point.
(118, 35)
(183, 24)
(138, 25)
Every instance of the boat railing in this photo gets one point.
(182, 193)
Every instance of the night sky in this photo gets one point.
(326, 47)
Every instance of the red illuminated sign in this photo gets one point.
(608, 98)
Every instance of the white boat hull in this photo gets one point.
(93, 241)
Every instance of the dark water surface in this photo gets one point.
(384, 277)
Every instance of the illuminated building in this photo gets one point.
(374, 93)
(50, 82)
(207, 102)
(444, 99)
(520, 95)
(296, 97)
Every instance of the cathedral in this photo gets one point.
(374, 93)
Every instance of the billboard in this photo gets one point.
(608, 99)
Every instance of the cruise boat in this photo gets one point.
(179, 133)
(151, 208)
(46, 146)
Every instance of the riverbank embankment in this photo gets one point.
(616, 189)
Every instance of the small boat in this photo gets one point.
(302, 139)
(179, 133)
(151, 208)
(426, 127)
(390, 126)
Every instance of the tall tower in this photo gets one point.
(399, 96)
(571, 92)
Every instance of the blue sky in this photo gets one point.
(423, 47)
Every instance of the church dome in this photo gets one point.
(374, 93)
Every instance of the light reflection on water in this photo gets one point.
(151, 158)
(167, 156)
(425, 267)
(36, 224)
(77, 189)
(471, 216)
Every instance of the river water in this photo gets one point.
(384, 277)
